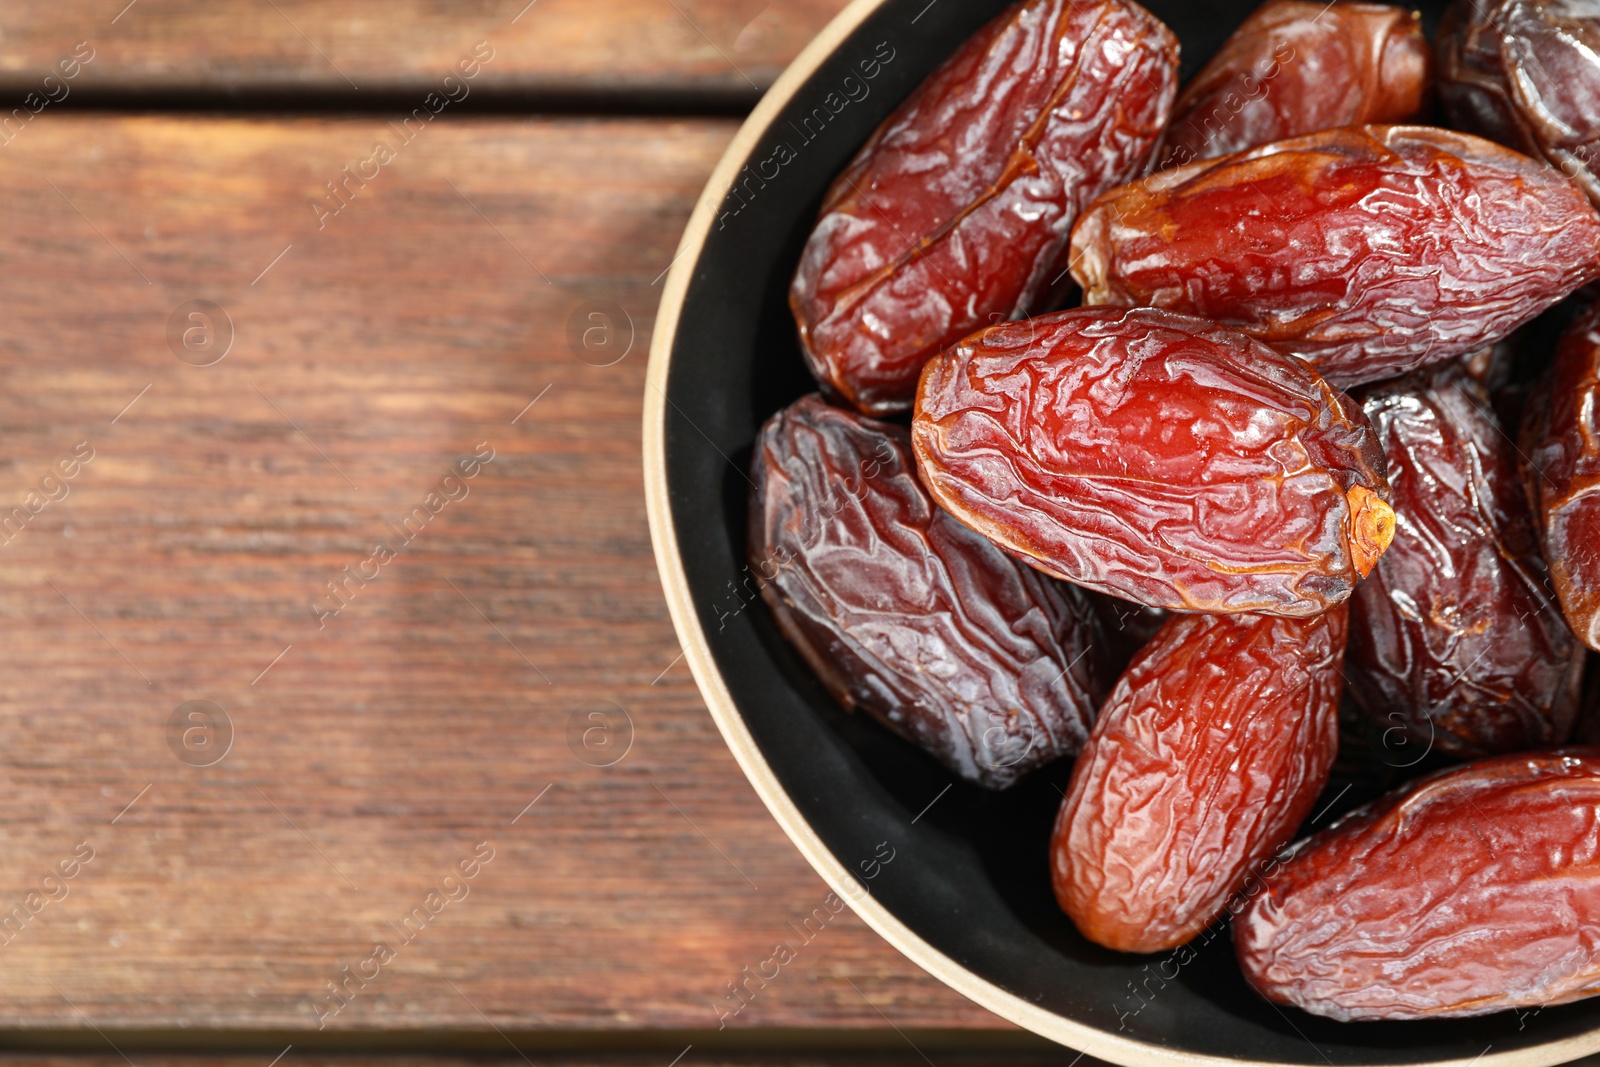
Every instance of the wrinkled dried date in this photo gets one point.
(1367, 251)
(1455, 639)
(1475, 890)
(1210, 752)
(1156, 457)
(1471, 75)
(956, 213)
(1561, 438)
(907, 614)
(1526, 73)
(1297, 67)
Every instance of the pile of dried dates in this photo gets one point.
(1222, 436)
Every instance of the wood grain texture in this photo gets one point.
(374, 46)
(376, 748)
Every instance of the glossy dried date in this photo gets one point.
(1471, 75)
(956, 213)
(908, 615)
(1297, 67)
(1561, 438)
(1158, 458)
(1455, 639)
(1367, 251)
(1476, 890)
(1526, 73)
(1209, 754)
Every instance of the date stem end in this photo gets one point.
(1371, 528)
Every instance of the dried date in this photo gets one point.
(1471, 71)
(1297, 67)
(1561, 438)
(1526, 73)
(1158, 458)
(1366, 251)
(903, 612)
(1210, 752)
(956, 213)
(1475, 890)
(1455, 640)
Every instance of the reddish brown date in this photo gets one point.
(1561, 438)
(908, 615)
(1297, 67)
(1366, 251)
(1210, 752)
(1455, 641)
(1476, 890)
(1158, 458)
(1526, 73)
(956, 213)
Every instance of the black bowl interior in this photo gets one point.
(968, 872)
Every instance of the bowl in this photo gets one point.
(954, 877)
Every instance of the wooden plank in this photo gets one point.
(440, 714)
(406, 46)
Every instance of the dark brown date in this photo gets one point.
(1476, 890)
(1561, 438)
(908, 615)
(1373, 759)
(1455, 640)
(1156, 457)
(1211, 751)
(956, 213)
(1367, 251)
(1297, 67)
(1526, 73)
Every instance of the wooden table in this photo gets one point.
(331, 618)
